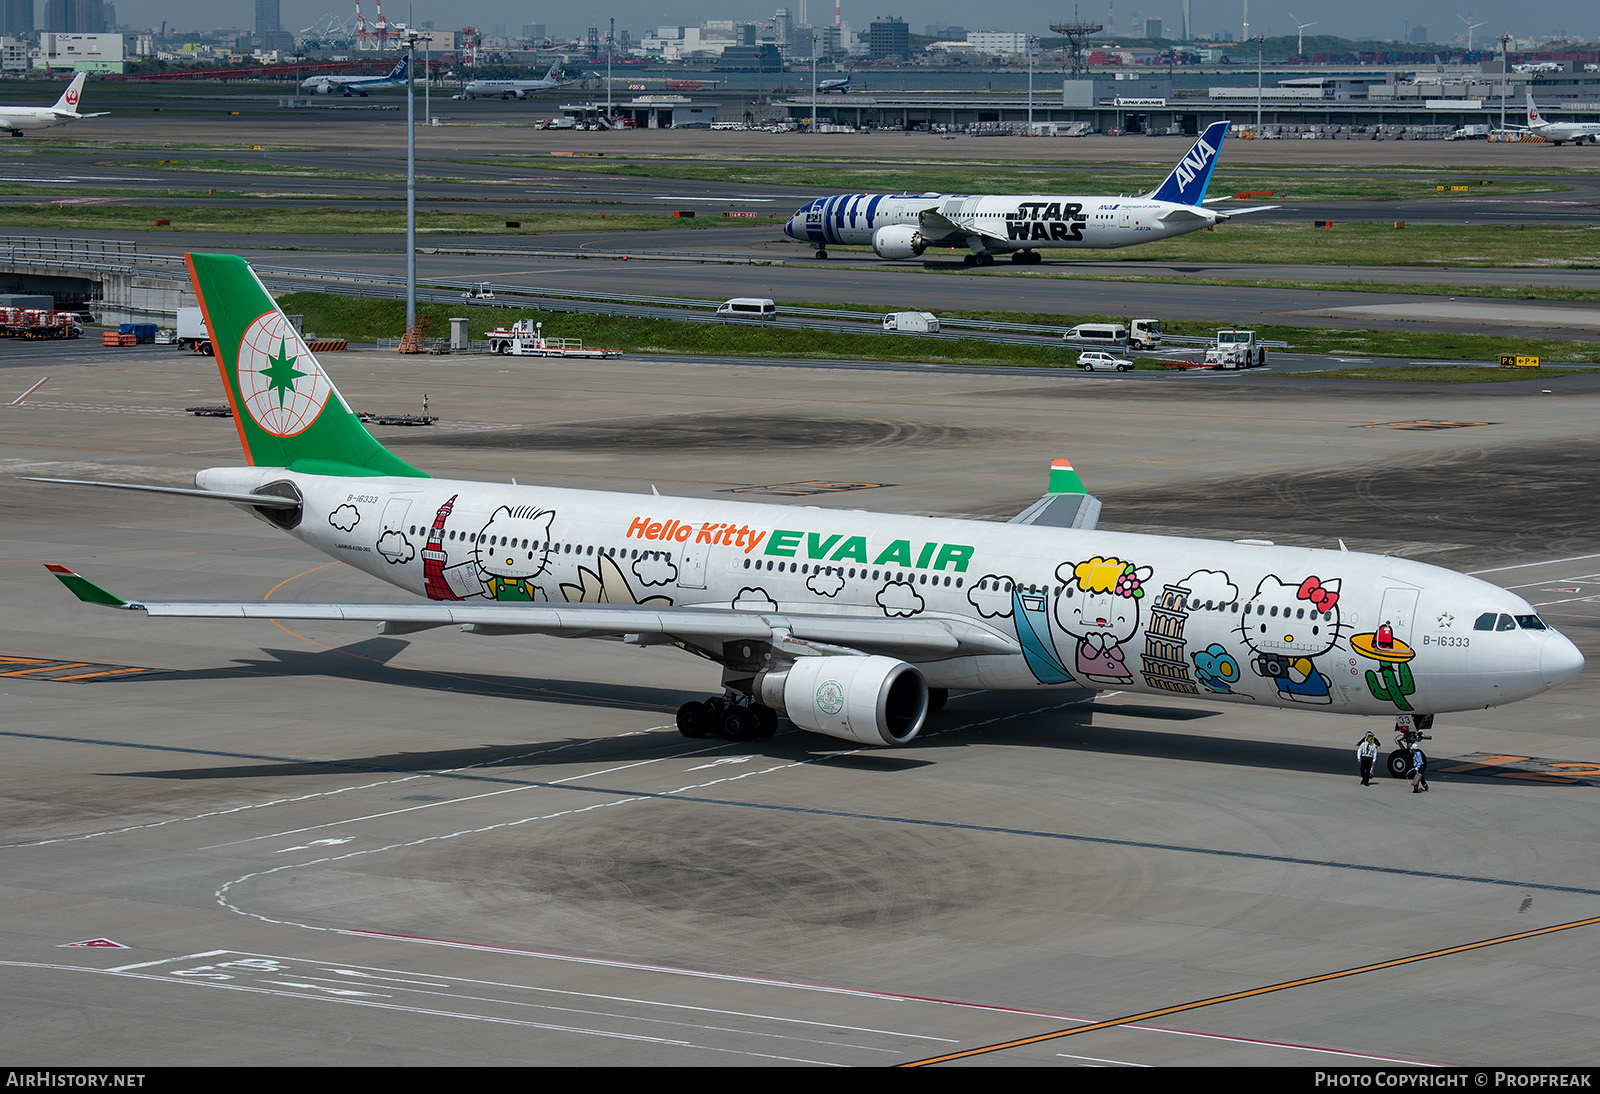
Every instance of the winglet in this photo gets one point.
(1064, 480)
(1066, 504)
(84, 589)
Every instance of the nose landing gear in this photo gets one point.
(1408, 731)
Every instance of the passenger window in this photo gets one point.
(1484, 622)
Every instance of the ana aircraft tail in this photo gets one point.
(1188, 181)
(68, 103)
(398, 72)
(287, 411)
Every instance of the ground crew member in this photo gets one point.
(1419, 770)
(1366, 756)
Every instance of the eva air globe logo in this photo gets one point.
(279, 381)
(830, 697)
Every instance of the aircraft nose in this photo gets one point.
(790, 228)
(1559, 660)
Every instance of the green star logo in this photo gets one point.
(282, 374)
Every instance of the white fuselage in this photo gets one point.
(1561, 132)
(506, 88)
(20, 119)
(1256, 624)
(996, 223)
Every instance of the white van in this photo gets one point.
(1097, 334)
(748, 307)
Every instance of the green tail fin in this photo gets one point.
(287, 410)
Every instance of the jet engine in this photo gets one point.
(868, 700)
(324, 89)
(897, 241)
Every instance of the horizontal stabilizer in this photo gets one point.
(263, 501)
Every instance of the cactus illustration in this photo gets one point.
(1395, 689)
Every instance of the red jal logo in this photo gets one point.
(72, 97)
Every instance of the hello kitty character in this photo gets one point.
(1099, 606)
(512, 550)
(1286, 625)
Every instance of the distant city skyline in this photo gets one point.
(1360, 19)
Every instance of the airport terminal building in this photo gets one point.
(1327, 105)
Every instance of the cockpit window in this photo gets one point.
(1506, 624)
(1484, 622)
(1530, 623)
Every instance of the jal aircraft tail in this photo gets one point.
(1535, 119)
(68, 103)
(287, 410)
(554, 75)
(1188, 181)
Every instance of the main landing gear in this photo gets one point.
(735, 719)
(821, 253)
(1027, 258)
(1407, 734)
(977, 260)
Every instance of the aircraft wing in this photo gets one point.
(935, 225)
(797, 633)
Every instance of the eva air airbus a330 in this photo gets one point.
(851, 624)
(1021, 225)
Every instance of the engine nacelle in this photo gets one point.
(898, 241)
(868, 700)
(323, 89)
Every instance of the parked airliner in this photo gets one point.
(359, 84)
(17, 120)
(905, 225)
(513, 89)
(853, 624)
(1560, 132)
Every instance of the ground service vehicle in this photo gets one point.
(1097, 334)
(748, 307)
(1237, 349)
(920, 321)
(1093, 360)
(525, 338)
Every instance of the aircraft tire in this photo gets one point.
(1399, 763)
(821, 253)
(694, 720)
(740, 723)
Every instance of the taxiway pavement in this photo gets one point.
(238, 843)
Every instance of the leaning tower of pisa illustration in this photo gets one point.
(1166, 666)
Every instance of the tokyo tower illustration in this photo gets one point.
(433, 556)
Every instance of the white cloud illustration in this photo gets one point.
(991, 595)
(345, 517)
(395, 547)
(655, 569)
(754, 600)
(899, 598)
(825, 584)
(1210, 586)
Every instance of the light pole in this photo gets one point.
(1029, 43)
(411, 182)
(1505, 48)
(1260, 41)
(813, 81)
